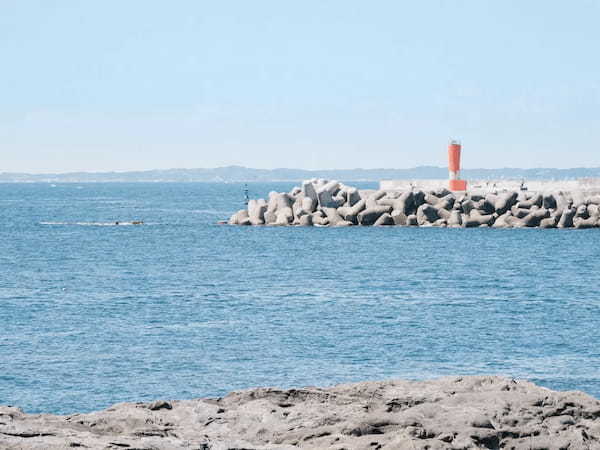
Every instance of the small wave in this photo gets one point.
(209, 211)
(97, 224)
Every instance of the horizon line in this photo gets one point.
(234, 166)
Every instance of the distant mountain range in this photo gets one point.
(245, 174)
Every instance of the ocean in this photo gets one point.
(94, 314)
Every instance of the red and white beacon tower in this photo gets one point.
(455, 184)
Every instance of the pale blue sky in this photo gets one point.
(120, 85)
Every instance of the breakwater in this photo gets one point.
(320, 202)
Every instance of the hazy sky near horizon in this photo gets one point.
(142, 84)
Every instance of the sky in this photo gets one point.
(315, 84)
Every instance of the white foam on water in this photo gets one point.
(96, 224)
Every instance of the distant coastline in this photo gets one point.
(232, 174)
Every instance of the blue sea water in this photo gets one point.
(181, 307)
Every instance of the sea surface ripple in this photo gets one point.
(180, 307)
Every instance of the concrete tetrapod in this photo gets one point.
(370, 215)
(331, 203)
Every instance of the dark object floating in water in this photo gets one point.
(135, 222)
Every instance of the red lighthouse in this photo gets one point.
(455, 183)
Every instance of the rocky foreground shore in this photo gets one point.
(331, 203)
(449, 413)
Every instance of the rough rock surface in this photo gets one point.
(331, 203)
(448, 413)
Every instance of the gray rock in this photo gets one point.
(470, 222)
(549, 201)
(276, 202)
(580, 222)
(306, 220)
(240, 218)
(318, 219)
(418, 199)
(387, 201)
(514, 222)
(411, 220)
(477, 218)
(442, 192)
(427, 214)
(352, 196)
(372, 200)
(470, 412)
(594, 200)
(492, 198)
(467, 206)
(384, 219)
(272, 202)
(435, 208)
(333, 187)
(503, 221)
(443, 213)
(159, 404)
(403, 202)
(536, 215)
(582, 212)
(326, 200)
(446, 202)
(326, 195)
(284, 216)
(339, 200)
(270, 217)
(284, 200)
(303, 206)
(486, 206)
(406, 203)
(519, 212)
(549, 222)
(370, 215)
(350, 213)
(566, 220)
(333, 216)
(536, 200)
(504, 202)
(455, 218)
(352, 218)
(256, 211)
(578, 198)
(308, 189)
(431, 199)
(399, 217)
